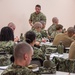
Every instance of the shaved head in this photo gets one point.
(21, 49)
(12, 26)
(37, 25)
(71, 31)
(55, 20)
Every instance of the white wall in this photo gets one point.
(18, 12)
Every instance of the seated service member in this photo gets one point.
(58, 30)
(72, 51)
(6, 45)
(22, 54)
(38, 53)
(37, 27)
(43, 31)
(13, 27)
(53, 26)
(37, 16)
(64, 37)
(73, 37)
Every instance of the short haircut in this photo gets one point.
(6, 34)
(11, 24)
(59, 26)
(54, 19)
(71, 30)
(21, 49)
(38, 6)
(30, 36)
(37, 25)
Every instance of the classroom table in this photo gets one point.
(64, 55)
(60, 73)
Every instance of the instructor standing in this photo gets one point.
(37, 16)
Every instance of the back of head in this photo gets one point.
(59, 26)
(30, 36)
(21, 49)
(55, 20)
(6, 34)
(37, 25)
(71, 31)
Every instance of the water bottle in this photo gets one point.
(60, 48)
(21, 37)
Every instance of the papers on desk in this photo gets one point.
(36, 69)
(67, 48)
(46, 43)
(55, 55)
(3, 67)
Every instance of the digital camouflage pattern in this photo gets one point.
(6, 50)
(54, 34)
(48, 66)
(37, 17)
(51, 29)
(64, 65)
(44, 48)
(44, 33)
(5, 60)
(6, 46)
(38, 36)
(38, 53)
(50, 70)
(48, 49)
(18, 70)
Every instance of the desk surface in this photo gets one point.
(64, 55)
(1, 71)
(60, 73)
(46, 43)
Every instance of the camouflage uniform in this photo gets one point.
(6, 51)
(38, 36)
(65, 65)
(17, 70)
(72, 51)
(38, 53)
(66, 40)
(37, 17)
(51, 29)
(54, 34)
(43, 33)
